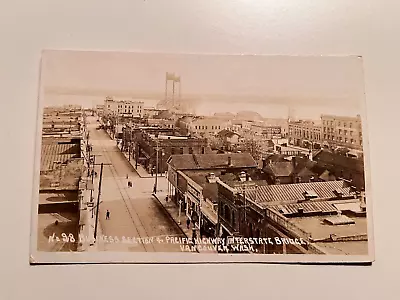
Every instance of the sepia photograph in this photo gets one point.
(200, 158)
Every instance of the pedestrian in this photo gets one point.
(166, 199)
(127, 177)
(108, 215)
(188, 223)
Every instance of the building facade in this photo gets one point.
(312, 218)
(340, 131)
(305, 134)
(124, 108)
(204, 126)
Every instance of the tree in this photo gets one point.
(253, 147)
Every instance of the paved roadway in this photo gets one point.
(133, 211)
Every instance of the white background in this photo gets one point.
(331, 27)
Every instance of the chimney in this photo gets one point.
(294, 163)
(229, 161)
(212, 178)
(242, 176)
(264, 163)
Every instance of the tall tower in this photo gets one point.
(172, 90)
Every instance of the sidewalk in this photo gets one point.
(173, 212)
(140, 170)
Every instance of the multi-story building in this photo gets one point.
(301, 218)
(341, 131)
(305, 133)
(123, 108)
(148, 144)
(204, 126)
(192, 183)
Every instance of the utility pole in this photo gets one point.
(91, 191)
(155, 184)
(98, 203)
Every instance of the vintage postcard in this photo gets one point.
(194, 158)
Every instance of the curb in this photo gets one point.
(155, 196)
(126, 158)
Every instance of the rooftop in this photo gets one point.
(55, 152)
(328, 157)
(320, 230)
(227, 133)
(211, 161)
(281, 168)
(67, 223)
(292, 193)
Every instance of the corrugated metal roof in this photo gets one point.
(309, 207)
(295, 192)
(55, 152)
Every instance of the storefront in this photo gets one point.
(209, 221)
(193, 212)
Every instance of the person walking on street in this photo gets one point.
(108, 215)
(188, 223)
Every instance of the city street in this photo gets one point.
(134, 213)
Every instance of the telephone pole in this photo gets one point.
(98, 203)
(155, 184)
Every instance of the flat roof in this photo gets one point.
(52, 197)
(320, 230)
(345, 248)
(67, 223)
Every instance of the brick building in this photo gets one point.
(318, 217)
(192, 182)
(147, 142)
(305, 133)
(340, 131)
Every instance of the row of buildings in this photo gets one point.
(300, 189)
(62, 168)
(330, 131)
(228, 195)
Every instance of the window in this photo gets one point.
(345, 140)
(351, 133)
(340, 131)
(212, 127)
(206, 127)
(344, 124)
(172, 151)
(345, 132)
(350, 125)
(190, 150)
(352, 141)
(195, 127)
(338, 123)
(181, 150)
(219, 127)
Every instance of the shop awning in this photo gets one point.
(209, 214)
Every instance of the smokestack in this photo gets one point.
(242, 176)
(294, 163)
(264, 163)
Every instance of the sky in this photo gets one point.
(219, 83)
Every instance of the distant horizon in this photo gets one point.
(203, 107)
(269, 85)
